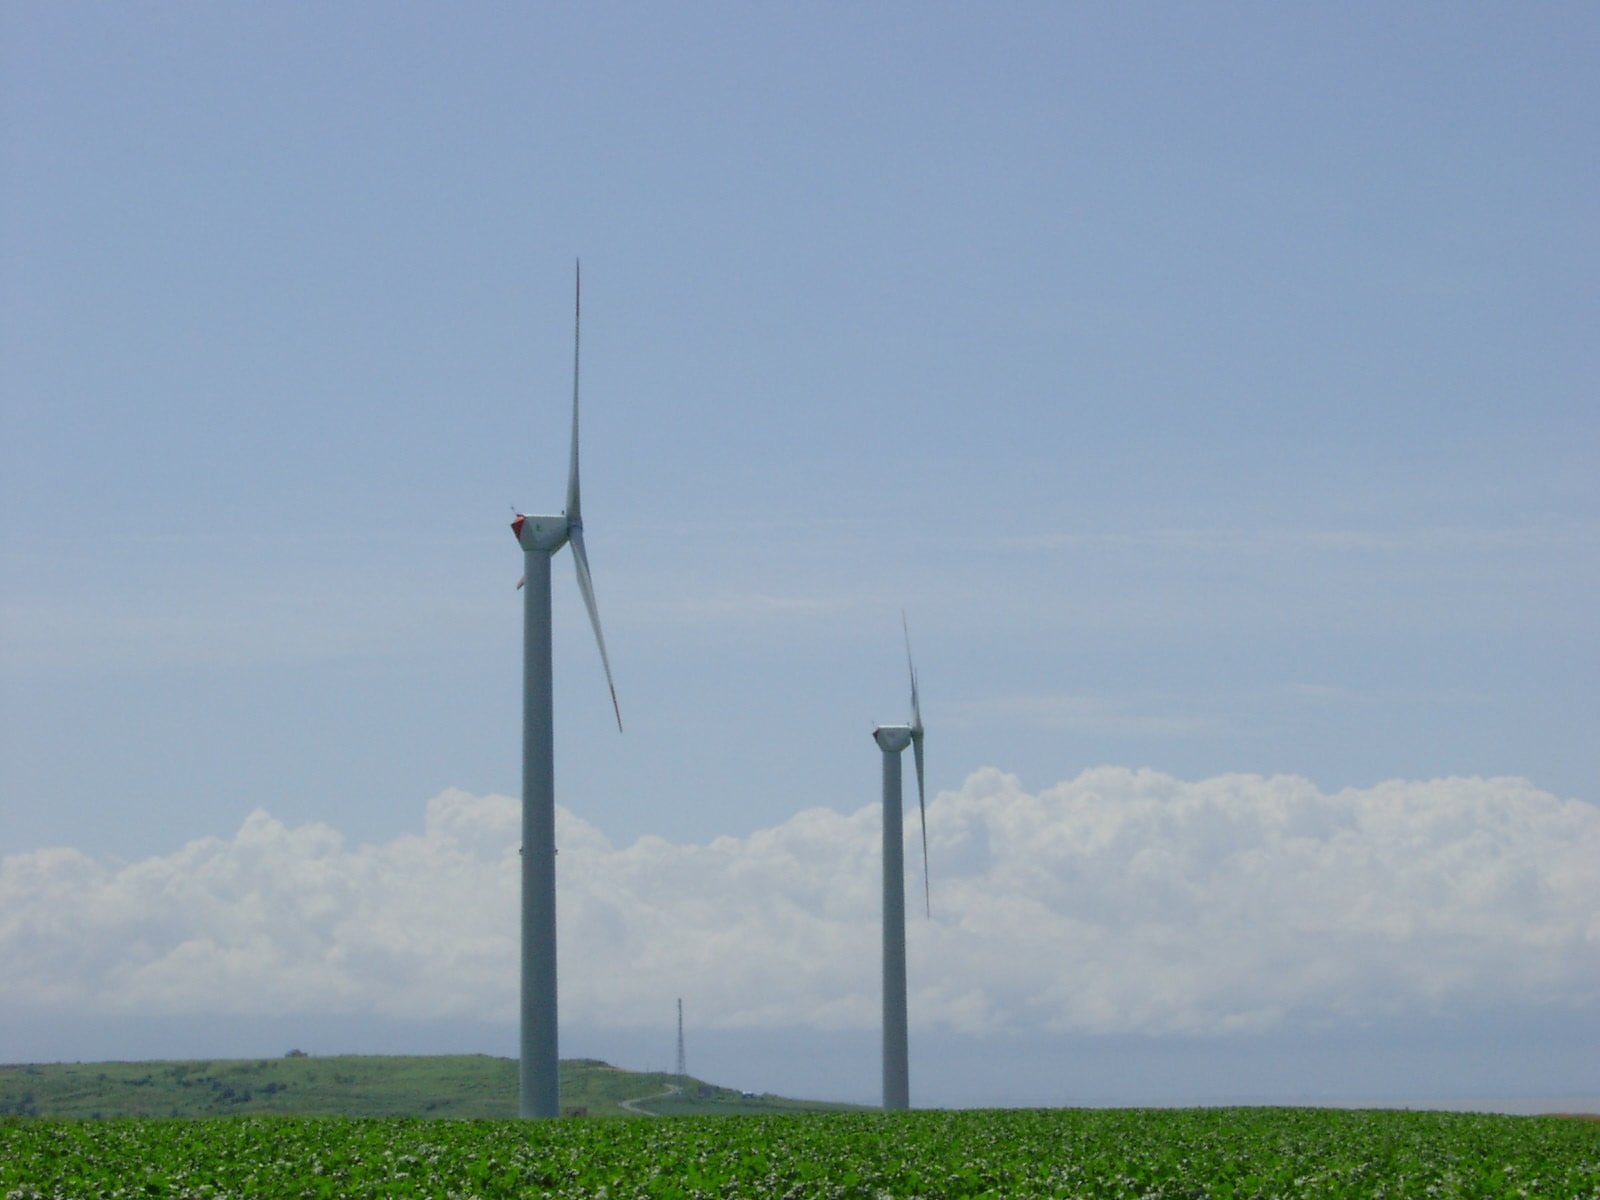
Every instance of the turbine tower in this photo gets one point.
(539, 1085)
(892, 739)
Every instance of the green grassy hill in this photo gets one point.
(353, 1085)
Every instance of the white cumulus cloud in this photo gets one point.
(1121, 901)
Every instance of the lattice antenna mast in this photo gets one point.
(683, 1068)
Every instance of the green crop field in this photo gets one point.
(1224, 1154)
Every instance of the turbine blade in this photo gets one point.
(586, 586)
(916, 750)
(911, 667)
(922, 809)
(574, 513)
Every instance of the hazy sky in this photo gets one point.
(1213, 387)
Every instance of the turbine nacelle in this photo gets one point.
(892, 739)
(542, 533)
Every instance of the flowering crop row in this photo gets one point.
(1225, 1154)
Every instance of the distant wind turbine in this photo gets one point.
(892, 739)
(539, 1087)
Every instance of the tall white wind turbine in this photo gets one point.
(892, 739)
(539, 1088)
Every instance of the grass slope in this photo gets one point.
(348, 1085)
(600, 1088)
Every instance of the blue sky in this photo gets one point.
(1213, 387)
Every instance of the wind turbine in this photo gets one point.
(892, 739)
(539, 1086)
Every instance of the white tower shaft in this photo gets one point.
(896, 1053)
(539, 1081)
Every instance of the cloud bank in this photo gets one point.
(1121, 902)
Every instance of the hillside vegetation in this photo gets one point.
(354, 1086)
